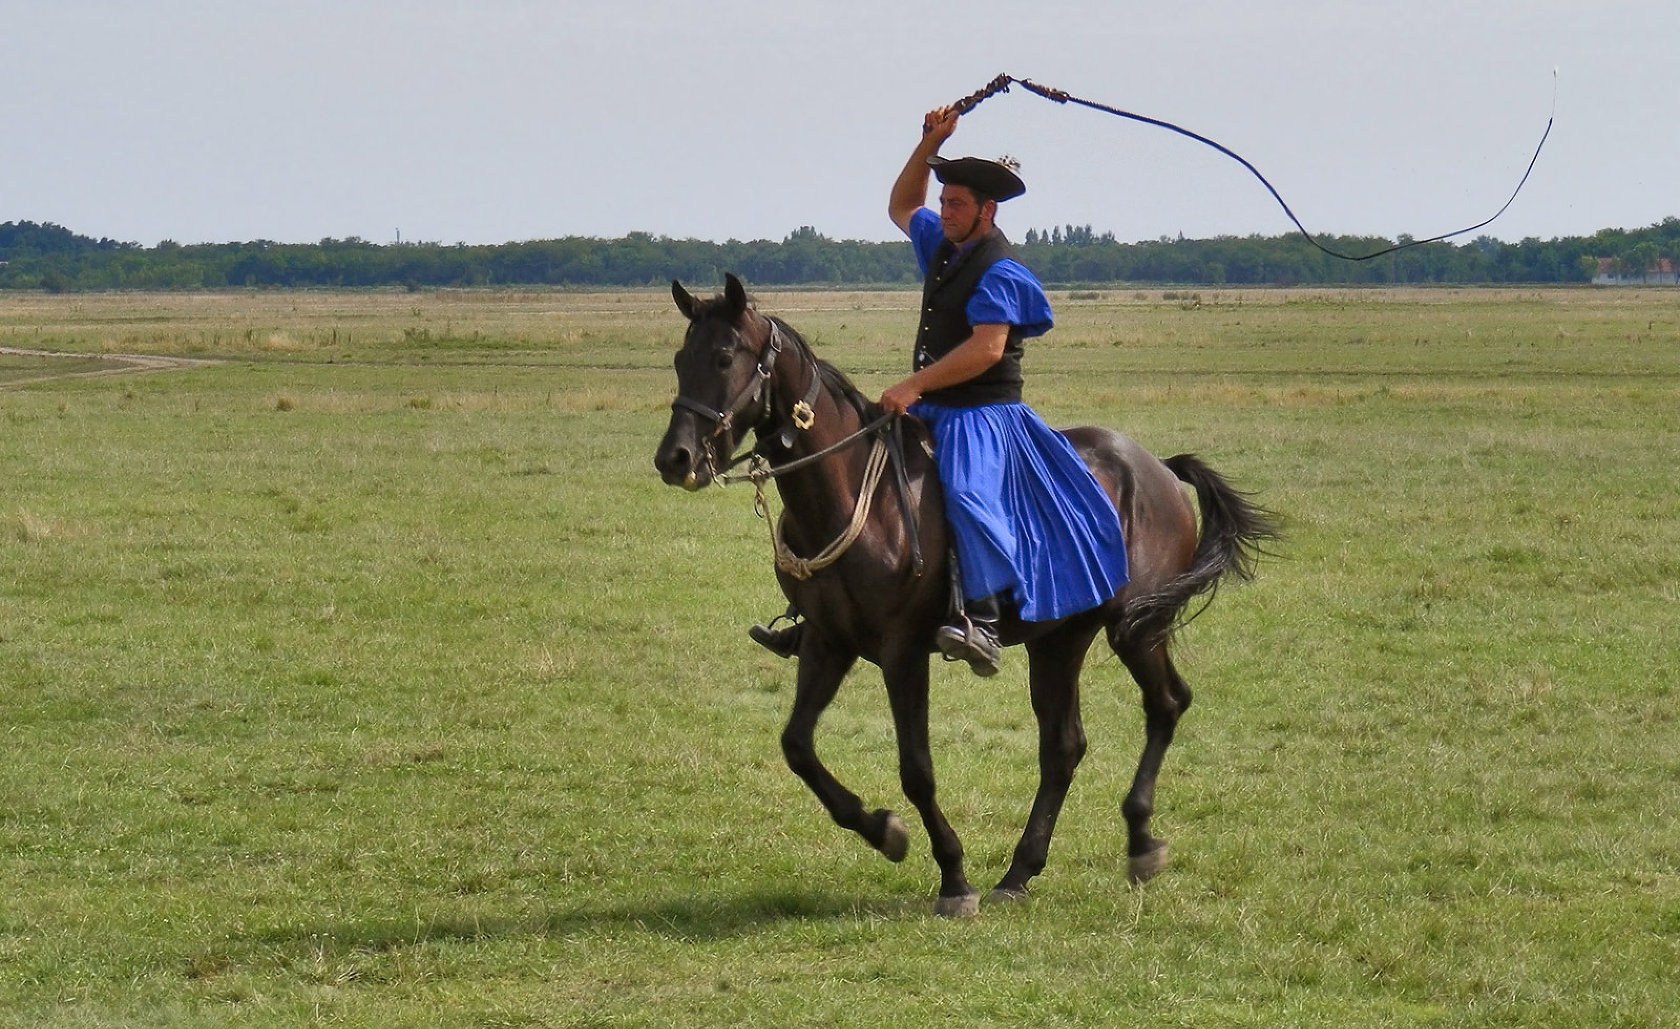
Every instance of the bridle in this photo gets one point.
(801, 417)
(887, 450)
(749, 394)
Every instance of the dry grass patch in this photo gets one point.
(31, 528)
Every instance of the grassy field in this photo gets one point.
(369, 676)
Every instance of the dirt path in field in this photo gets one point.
(115, 364)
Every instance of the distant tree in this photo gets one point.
(46, 256)
(1640, 260)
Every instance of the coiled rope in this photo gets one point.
(803, 568)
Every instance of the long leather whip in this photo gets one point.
(1002, 83)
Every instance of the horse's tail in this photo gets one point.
(1233, 537)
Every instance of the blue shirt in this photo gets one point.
(1008, 293)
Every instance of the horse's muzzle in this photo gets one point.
(679, 469)
(680, 461)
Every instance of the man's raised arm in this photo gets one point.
(909, 192)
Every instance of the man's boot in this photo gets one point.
(973, 636)
(783, 642)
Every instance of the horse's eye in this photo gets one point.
(725, 358)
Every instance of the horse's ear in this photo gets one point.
(685, 300)
(734, 294)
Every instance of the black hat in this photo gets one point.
(991, 178)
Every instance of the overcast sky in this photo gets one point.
(502, 120)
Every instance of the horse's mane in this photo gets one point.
(836, 380)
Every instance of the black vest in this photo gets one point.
(951, 281)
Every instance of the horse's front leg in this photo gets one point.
(906, 679)
(821, 670)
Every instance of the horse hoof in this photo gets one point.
(965, 906)
(1002, 897)
(895, 839)
(1144, 867)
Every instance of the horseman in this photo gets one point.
(1032, 528)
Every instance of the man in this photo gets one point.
(1030, 523)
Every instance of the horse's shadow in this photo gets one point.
(696, 918)
(717, 916)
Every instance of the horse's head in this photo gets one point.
(723, 370)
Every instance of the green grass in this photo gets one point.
(371, 677)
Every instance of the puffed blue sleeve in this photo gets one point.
(925, 236)
(1009, 294)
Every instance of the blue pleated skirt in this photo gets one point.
(1028, 517)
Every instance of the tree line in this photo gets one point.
(52, 258)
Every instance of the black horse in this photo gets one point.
(863, 553)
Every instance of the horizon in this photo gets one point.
(1452, 240)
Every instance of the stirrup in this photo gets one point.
(783, 642)
(972, 641)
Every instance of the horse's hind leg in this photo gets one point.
(1054, 679)
(820, 676)
(1165, 698)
